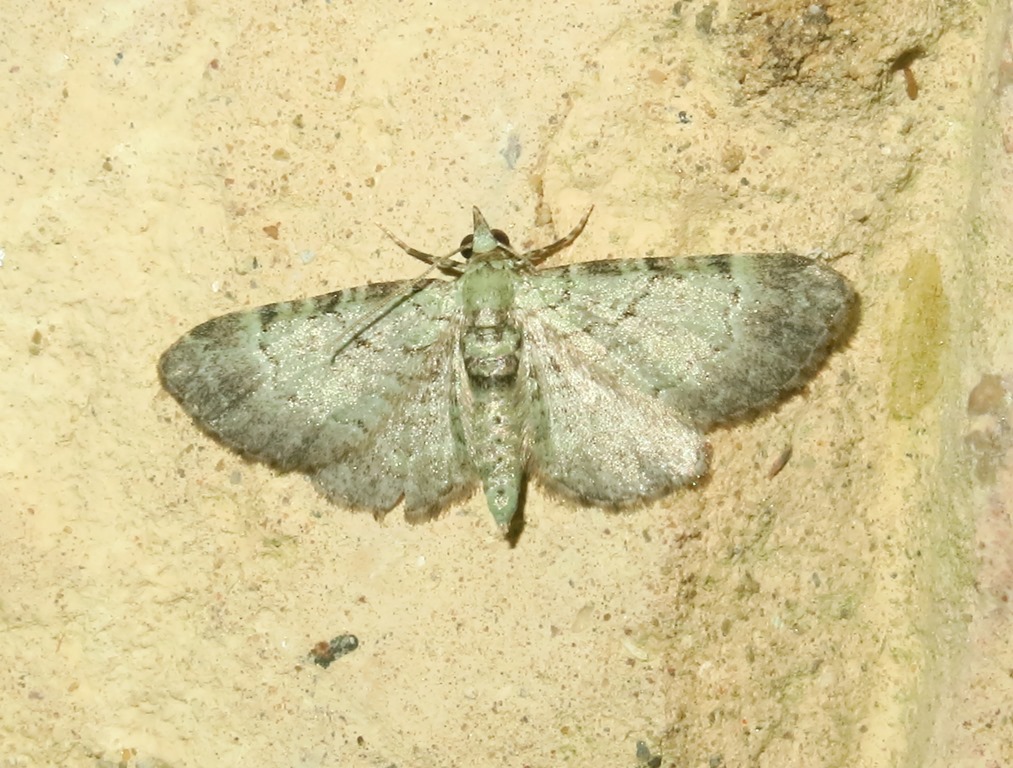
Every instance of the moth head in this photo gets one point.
(483, 239)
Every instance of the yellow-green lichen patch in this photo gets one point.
(916, 341)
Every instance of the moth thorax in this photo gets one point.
(491, 354)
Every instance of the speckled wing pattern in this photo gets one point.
(369, 422)
(597, 378)
(633, 359)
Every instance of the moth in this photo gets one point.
(597, 379)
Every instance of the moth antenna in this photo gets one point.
(410, 287)
(541, 254)
(442, 263)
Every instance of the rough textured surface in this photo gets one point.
(165, 163)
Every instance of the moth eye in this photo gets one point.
(466, 246)
(501, 237)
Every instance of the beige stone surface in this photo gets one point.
(162, 163)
